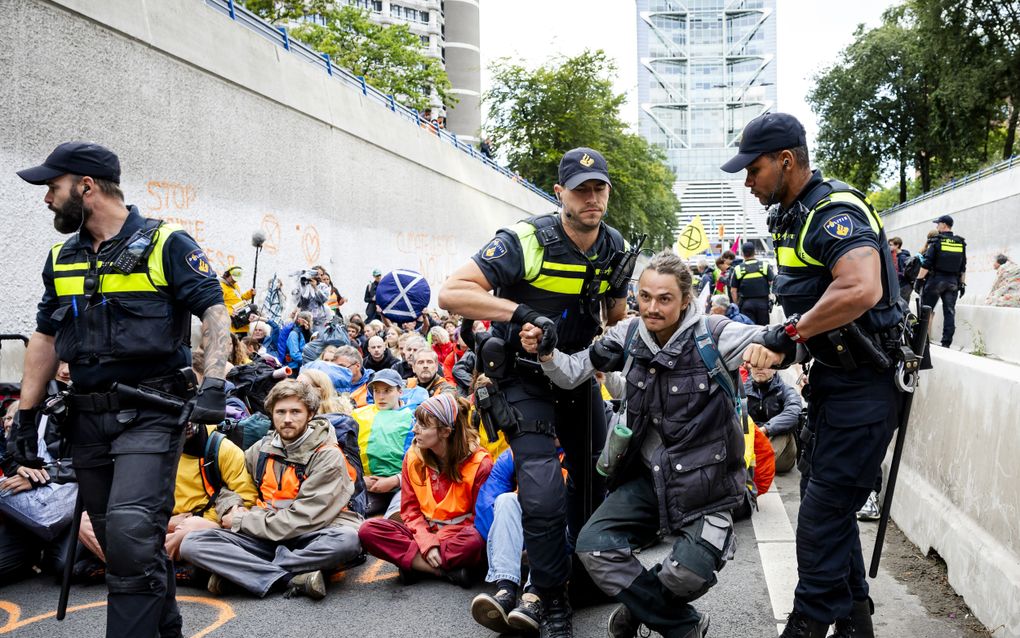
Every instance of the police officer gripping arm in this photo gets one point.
(117, 306)
(837, 285)
(550, 275)
(945, 261)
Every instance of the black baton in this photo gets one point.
(72, 546)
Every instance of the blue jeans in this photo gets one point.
(506, 540)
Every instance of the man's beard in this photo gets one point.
(71, 216)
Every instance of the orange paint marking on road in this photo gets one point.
(372, 574)
(224, 615)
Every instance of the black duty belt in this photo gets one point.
(99, 402)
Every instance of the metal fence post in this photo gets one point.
(393, 103)
(230, 9)
(364, 86)
(286, 38)
(329, 63)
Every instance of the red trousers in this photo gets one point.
(459, 545)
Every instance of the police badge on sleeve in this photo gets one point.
(839, 226)
(494, 250)
(200, 263)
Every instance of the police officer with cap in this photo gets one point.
(945, 259)
(117, 304)
(837, 285)
(750, 285)
(550, 274)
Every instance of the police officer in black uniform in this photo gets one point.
(750, 284)
(550, 277)
(837, 285)
(117, 306)
(945, 259)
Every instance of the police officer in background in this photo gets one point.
(945, 259)
(550, 277)
(750, 285)
(837, 285)
(117, 306)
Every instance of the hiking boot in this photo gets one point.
(407, 576)
(701, 629)
(461, 577)
(800, 626)
(527, 616)
(858, 624)
(870, 511)
(622, 624)
(493, 612)
(310, 584)
(557, 619)
(219, 586)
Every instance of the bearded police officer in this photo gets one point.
(750, 285)
(551, 277)
(945, 261)
(117, 306)
(837, 285)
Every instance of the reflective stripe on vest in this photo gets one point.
(457, 506)
(69, 278)
(797, 257)
(278, 490)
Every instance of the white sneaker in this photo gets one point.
(870, 511)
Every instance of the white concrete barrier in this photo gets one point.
(983, 330)
(957, 492)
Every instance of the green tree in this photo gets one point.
(389, 57)
(535, 115)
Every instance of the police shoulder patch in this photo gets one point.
(839, 226)
(200, 263)
(494, 250)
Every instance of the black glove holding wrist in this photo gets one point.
(963, 289)
(526, 314)
(209, 405)
(25, 433)
(606, 356)
(775, 339)
(918, 285)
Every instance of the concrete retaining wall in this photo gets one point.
(224, 132)
(957, 492)
(985, 212)
(990, 329)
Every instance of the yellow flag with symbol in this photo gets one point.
(692, 239)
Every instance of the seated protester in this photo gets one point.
(463, 372)
(379, 356)
(776, 408)
(384, 435)
(440, 478)
(427, 375)
(721, 305)
(350, 358)
(301, 524)
(392, 337)
(295, 337)
(355, 332)
(211, 469)
(451, 359)
(374, 328)
(441, 343)
(338, 376)
(413, 342)
(498, 520)
(265, 332)
(659, 482)
(36, 506)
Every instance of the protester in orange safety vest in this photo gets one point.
(441, 475)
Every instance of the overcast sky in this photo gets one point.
(811, 34)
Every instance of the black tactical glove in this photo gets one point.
(209, 406)
(918, 285)
(963, 289)
(606, 356)
(25, 433)
(775, 339)
(526, 314)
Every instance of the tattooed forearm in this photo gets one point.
(216, 341)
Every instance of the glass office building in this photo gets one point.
(706, 68)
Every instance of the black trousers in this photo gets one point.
(756, 309)
(126, 464)
(553, 513)
(944, 290)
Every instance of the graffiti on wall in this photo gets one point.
(434, 253)
(173, 202)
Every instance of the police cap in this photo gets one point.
(581, 164)
(766, 133)
(78, 158)
(945, 219)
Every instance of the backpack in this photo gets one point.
(281, 342)
(346, 429)
(911, 269)
(210, 471)
(252, 383)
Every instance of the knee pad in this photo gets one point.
(541, 493)
(700, 551)
(134, 551)
(612, 570)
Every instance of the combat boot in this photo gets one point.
(858, 624)
(622, 623)
(557, 617)
(800, 626)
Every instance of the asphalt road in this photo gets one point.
(752, 596)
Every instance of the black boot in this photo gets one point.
(557, 617)
(858, 624)
(800, 626)
(622, 624)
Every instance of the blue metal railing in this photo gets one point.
(956, 183)
(279, 36)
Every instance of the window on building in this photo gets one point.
(396, 10)
(424, 41)
(423, 17)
